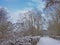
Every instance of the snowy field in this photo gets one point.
(48, 41)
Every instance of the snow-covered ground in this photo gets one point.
(48, 41)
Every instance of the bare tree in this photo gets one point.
(33, 22)
(5, 25)
(54, 21)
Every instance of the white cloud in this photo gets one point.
(40, 4)
(19, 14)
(29, 4)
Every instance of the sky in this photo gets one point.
(21, 6)
(16, 4)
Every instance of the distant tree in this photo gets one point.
(54, 14)
(5, 25)
(3, 15)
(33, 22)
(51, 2)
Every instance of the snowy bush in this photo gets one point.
(27, 40)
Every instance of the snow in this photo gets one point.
(26, 40)
(48, 41)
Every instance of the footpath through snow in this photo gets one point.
(48, 41)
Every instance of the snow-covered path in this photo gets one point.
(48, 41)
